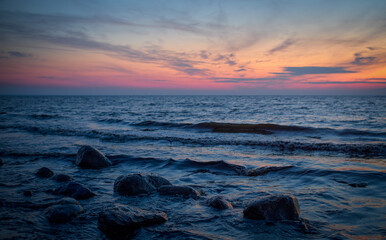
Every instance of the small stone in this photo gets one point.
(44, 173)
(219, 202)
(183, 191)
(63, 211)
(275, 207)
(134, 184)
(121, 220)
(89, 157)
(74, 190)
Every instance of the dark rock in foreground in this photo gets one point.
(75, 190)
(62, 178)
(121, 220)
(276, 207)
(219, 202)
(183, 191)
(63, 211)
(89, 157)
(134, 184)
(44, 173)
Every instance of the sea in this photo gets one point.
(327, 151)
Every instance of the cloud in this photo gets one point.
(18, 54)
(238, 80)
(240, 70)
(359, 60)
(79, 40)
(204, 54)
(282, 46)
(347, 82)
(228, 59)
(308, 70)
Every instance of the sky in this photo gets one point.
(193, 47)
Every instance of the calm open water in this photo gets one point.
(334, 145)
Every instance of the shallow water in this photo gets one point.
(335, 146)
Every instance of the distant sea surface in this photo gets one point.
(333, 149)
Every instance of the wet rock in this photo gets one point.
(89, 157)
(44, 173)
(134, 184)
(275, 207)
(27, 193)
(74, 190)
(62, 178)
(121, 220)
(264, 170)
(63, 211)
(183, 191)
(219, 202)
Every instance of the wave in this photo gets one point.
(352, 150)
(43, 116)
(262, 128)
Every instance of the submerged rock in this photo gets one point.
(89, 157)
(63, 211)
(134, 184)
(75, 190)
(219, 202)
(275, 207)
(44, 173)
(121, 220)
(183, 191)
(62, 178)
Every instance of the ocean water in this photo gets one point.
(334, 147)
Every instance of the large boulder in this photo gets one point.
(219, 202)
(274, 207)
(74, 190)
(89, 157)
(63, 211)
(44, 173)
(121, 220)
(183, 191)
(134, 184)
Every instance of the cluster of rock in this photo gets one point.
(123, 220)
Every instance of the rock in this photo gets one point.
(63, 211)
(121, 220)
(219, 202)
(134, 184)
(27, 193)
(75, 190)
(183, 191)
(44, 173)
(275, 207)
(62, 178)
(1, 162)
(89, 157)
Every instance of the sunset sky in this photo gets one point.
(193, 47)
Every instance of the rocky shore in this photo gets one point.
(121, 221)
